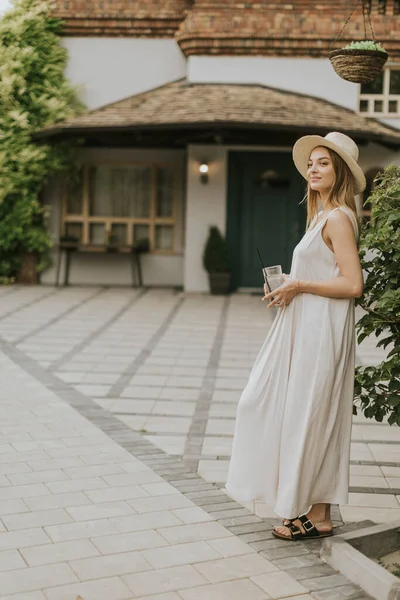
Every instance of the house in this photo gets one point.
(175, 88)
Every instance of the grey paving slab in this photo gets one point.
(14, 303)
(324, 582)
(101, 589)
(279, 584)
(234, 590)
(198, 427)
(347, 592)
(92, 336)
(164, 580)
(131, 369)
(66, 308)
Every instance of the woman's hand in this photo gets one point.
(284, 294)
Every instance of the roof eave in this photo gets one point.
(82, 131)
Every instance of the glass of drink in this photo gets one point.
(273, 277)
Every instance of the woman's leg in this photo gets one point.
(320, 515)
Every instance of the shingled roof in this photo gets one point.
(181, 105)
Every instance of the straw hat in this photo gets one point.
(339, 142)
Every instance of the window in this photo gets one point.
(122, 203)
(383, 7)
(381, 97)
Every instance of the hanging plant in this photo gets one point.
(361, 61)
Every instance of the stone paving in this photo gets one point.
(118, 408)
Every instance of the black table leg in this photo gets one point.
(67, 264)
(133, 268)
(139, 269)
(58, 267)
(136, 269)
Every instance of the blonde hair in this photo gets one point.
(342, 192)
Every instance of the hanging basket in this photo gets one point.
(361, 61)
(356, 65)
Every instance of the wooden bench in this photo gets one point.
(69, 248)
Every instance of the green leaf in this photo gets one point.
(395, 351)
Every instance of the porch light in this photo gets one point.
(203, 172)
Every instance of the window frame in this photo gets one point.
(381, 7)
(385, 97)
(85, 219)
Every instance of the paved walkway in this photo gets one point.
(102, 393)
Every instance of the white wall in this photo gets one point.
(392, 121)
(311, 76)
(111, 269)
(205, 206)
(116, 269)
(110, 69)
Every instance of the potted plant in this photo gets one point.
(359, 62)
(71, 241)
(28, 271)
(112, 242)
(142, 246)
(216, 262)
(24, 239)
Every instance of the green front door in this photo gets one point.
(264, 192)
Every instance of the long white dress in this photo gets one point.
(292, 437)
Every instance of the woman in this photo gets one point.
(291, 447)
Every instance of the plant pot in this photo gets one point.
(142, 246)
(358, 66)
(28, 270)
(220, 283)
(69, 242)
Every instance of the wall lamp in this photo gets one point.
(203, 172)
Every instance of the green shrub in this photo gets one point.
(377, 388)
(34, 93)
(365, 45)
(216, 255)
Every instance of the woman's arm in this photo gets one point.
(349, 284)
(339, 234)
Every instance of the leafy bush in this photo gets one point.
(377, 389)
(33, 94)
(365, 45)
(216, 255)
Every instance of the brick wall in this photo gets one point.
(136, 18)
(292, 28)
(235, 27)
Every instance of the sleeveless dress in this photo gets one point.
(292, 436)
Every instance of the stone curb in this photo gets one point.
(350, 554)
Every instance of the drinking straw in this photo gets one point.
(262, 267)
(261, 260)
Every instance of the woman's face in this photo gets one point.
(320, 173)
